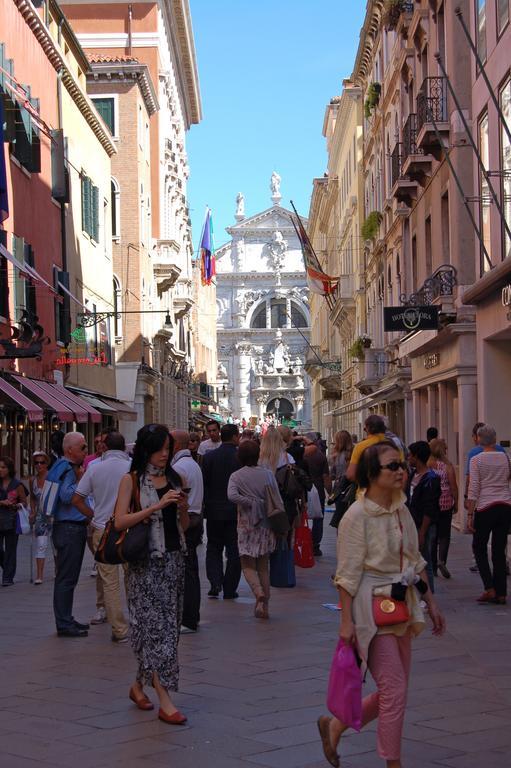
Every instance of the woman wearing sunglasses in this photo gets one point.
(37, 518)
(155, 585)
(377, 550)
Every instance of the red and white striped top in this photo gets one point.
(489, 479)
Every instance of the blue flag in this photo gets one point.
(207, 251)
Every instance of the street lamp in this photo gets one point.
(89, 319)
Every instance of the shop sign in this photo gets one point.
(432, 360)
(421, 318)
(93, 360)
(506, 295)
(196, 405)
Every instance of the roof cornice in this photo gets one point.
(368, 34)
(179, 25)
(119, 70)
(58, 62)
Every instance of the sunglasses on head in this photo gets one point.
(393, 465)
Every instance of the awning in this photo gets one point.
(78, 409)
(124, 411)
(64, 413)
(34, 412)
(80, 403)
(99, 405)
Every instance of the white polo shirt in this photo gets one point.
(208, 445)
(101, 481)
(191, 475)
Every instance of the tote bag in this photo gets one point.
(344, 698)
(282, 567)
(304, 550)
(314, 509)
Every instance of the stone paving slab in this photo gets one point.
(252, 690)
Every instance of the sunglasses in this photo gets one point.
(40, 462)
(393, 465)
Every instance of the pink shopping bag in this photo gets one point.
(344, 698)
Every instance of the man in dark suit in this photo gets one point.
(221, 515)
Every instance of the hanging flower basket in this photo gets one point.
(372, 99)
(392, 10)
(369, 228)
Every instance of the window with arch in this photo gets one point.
(117, 319)
(115, 193)
(278, 312)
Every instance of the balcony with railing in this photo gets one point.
(415, 163)
(370, 370)
(343, 297)
(432, 113)
(403, 188)
(438, 288)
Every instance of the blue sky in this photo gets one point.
(267, 69)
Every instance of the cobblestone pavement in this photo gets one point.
(252, 689)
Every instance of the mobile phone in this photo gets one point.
(185, 490)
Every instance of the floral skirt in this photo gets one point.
(155, 600)
(254, 541)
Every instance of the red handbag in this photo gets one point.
(304, 550)
(386, 610)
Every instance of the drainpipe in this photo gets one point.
(63, 243)
(130, 21)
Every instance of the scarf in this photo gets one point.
(148, 498)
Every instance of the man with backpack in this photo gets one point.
(424, 500)
(69, 531)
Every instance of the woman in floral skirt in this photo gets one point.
(247, 488)
(155, 586)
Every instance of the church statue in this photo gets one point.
(275, 184)
(240, 204)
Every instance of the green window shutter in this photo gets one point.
(105, 108)
(18, 251)
(84, 203)
(87, 205)
(95, 214)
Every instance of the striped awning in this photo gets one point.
(34, 412)
(34, 387)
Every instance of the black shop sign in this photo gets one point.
(410, 318)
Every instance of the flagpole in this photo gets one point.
(317, 264)
(202, 233)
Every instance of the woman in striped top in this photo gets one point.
(489, 512)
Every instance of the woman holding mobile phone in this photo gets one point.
(155, 586)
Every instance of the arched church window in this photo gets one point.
(278, 313)
(297, 317)
(259, 319)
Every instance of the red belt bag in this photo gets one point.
(386, 611)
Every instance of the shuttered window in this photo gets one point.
(90, 208)
(106, 108)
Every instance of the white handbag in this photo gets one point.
(314, 509)
(23, 519)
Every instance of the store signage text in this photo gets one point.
(432, 360)
(421, 318)
(506, 295)
(95, 360)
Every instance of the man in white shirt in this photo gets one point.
(214, 442)
(101, 482)
(188, 469)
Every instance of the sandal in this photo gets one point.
(260, 610)
(324, 731)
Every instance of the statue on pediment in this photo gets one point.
(240, 206)
(275, 184)
(276, 251)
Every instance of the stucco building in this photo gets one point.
(263, 317)
(155, 358)
(334, 229)
(490, 29)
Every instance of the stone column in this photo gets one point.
(241, 394)
(443, 421)
(467, 417)
(416, 407)
(299, 400)
(431, 409)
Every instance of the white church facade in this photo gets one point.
(263, 317)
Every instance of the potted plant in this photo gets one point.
(366, 340)
(369, 228)
(372, 99)
(356, 350)
(392, 10)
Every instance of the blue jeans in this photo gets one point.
(69, 541)
(426, 552)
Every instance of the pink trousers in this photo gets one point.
(389, 664)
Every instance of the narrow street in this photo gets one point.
(252, 690)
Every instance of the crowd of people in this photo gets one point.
(393, 532)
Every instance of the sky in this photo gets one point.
(267, 70)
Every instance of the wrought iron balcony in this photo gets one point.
(440, 285)
(432, 102)
(410, 137)
(395, 162)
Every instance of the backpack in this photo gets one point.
(49, 499)
(292, 481)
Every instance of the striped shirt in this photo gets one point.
(489, 480)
